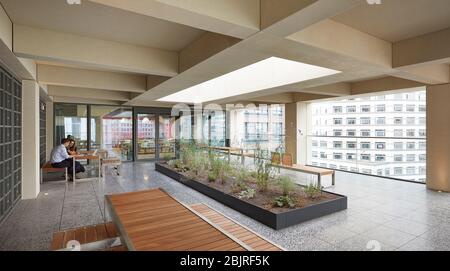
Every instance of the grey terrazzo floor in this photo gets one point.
(382, 215)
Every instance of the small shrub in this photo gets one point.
(249, 193)
(171, 163)
(220, 168)
(242, 174)
(284, 201)
(226, 171)
(212, 177)
(176, 164)
(238, 186)
(187, 153)
(313, 191)
(286, 184)
(264, 170)
(199, 162)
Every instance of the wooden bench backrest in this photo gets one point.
(287, 159)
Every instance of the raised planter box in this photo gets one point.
(274, 220)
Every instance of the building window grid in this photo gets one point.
(387, 146)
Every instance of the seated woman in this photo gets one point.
(72, 148)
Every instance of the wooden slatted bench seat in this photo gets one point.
(319, 172)
(249, 237)
(95, 237)
(152, 220)
(48, 168)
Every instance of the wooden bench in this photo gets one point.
(319, 172)
(249, 237)
(48, 168)
(152, 220)
(96, 237)
(105, 237)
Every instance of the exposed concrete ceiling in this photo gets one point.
(102, 22)
(396, 20)
(372, 56)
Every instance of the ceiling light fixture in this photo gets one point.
(269, 73)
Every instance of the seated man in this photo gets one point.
(61, 159)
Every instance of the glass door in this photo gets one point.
(146, 137)
(166, 137)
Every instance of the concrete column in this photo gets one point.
(49, 124)
(30, 140)
(291, 130)
(438, 137)
(303, 129)
(297, 121)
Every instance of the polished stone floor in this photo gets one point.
(382, 215)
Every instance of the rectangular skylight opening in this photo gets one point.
(269, 73)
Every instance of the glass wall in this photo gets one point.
(380, 135)
(71, 119)
(185, 128)
(166, 137)
(146, 136)
(125, 132)
(263, 125)
(112, 130)
(218, 132)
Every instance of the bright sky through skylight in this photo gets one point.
(269, 73)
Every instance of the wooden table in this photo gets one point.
(87, 157)
(319, 172)
(230, 150)
(152, 220)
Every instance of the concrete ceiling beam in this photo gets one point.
(235, 18)
(47, 45)
(81, 78)
(87, 93)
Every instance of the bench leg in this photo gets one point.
(74, 174)
(319, 181)
(333, 178)
(66, 174)
(100, 176)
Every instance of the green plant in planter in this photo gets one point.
(226, 172)
(219, 168)
(249, 193)
(187, 153)
(264, 170)
(238, 186)
(284, 201)
(239, 175)
(212, 177)
(215, 164)
(171, 163)
(313, 191)
(167, 156)
(176, 164)
(197, 164)
(286, 184)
